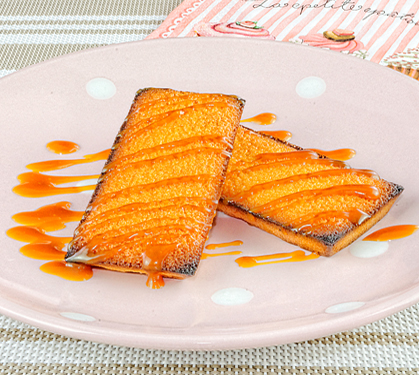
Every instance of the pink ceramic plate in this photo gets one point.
(327, 100)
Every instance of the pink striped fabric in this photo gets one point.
(382, 28)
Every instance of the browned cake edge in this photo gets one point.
(187, 269)
(325, 245)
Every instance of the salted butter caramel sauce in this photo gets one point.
(62, 147)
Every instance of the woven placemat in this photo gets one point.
(34, 31)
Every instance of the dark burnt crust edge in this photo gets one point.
(329, 241)
(71, 250)
(188, 269)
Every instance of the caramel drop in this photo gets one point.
(392, 233)
(43, 251)
(62, 147)
(262, 119)
(283, 135)
(68, 271)
(37, 185)
(342, 154)
(50, 217)
(225, 244)
(295, 256)
(53, 165)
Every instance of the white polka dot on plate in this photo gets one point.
(368, 249)
(232, 296)
(344, 307)
(77, 316)
(311, 87)
(101, 88)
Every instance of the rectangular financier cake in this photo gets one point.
(319, 204)
(158, 193)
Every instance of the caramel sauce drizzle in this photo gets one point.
(342, 154)
(40, 245)
(49, 218)
(215, 246)
(155, 122)
(224, 244)
(36, 235)
(153, 258)
(268, 159)
(42, 251)
(307, 223)
(392, 233)
(62, 147)
(135, 207)
(111, 238)
(293, 179)
(187, 103)
(37, 185)
(262, 119)
(53, 165)
(364, 191)
(292, 155)
(206, 255)
(293, 161)
(295, 256)
(283, 135)
(178, 155)
(169, 146)
(68, 271)
(203, 178)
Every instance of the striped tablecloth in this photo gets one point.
(34, 31)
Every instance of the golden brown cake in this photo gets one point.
(157, 196)
(316, 203)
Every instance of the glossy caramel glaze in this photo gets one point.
(62, 147)
(157, 195)
(395, 232)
